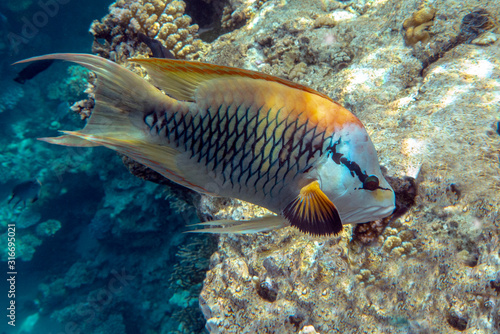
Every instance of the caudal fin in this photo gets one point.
(121, 98)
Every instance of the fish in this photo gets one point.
(27, 191)
(157, 49)
(32, 70)
(238, 133)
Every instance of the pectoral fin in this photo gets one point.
(313, 212)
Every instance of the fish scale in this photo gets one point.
(213, 140)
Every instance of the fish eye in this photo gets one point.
(371, 183)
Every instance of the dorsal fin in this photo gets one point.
(180, 78)
(313, 212)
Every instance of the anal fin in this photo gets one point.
(313, 212)
(256, 225)
(160, 158)
(69, 140)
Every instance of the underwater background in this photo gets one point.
(101, 249)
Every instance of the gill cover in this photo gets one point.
(350, 177)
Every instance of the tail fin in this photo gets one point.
(117, 121)
(120, 95)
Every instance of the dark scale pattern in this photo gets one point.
(250, 147)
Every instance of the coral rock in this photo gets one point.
(160, 19)
(417, 26)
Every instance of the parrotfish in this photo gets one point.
(157, 49)
(32, 70)
(238, 133)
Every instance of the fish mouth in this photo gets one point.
(364, 215)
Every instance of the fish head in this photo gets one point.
(350, 176)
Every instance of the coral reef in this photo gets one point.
(193, 258)
(485, 38)
(212, 208)
(406, 193)
(324, 21)
(174, 191)
(71, 87)
(115, 36)
(474, 24)
(26, 241)
(48, 228)
(455, 25)
(9, 95)
(237, 12)
(27, 218)
(474, 28)
(187, 278)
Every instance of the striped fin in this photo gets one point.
(262, 224)
(180, 78)
(313, 212)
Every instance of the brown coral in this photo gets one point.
(416, 27)
(237, 13)
(234, 18)
(115, 36)
(324, 21)
(298, 71)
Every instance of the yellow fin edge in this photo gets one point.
(313, 212)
